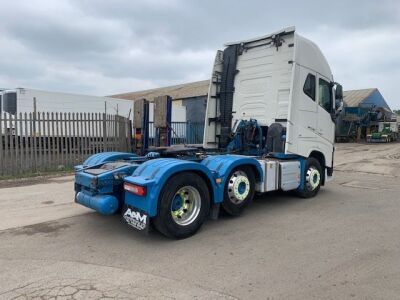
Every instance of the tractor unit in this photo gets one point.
(269, 125)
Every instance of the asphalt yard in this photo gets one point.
(342, 244)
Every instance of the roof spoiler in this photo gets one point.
(283, 31)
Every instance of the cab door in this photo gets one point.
(302, 122)
(307, 103)
(325, 124)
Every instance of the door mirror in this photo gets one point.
(338, 101)
(338, 92)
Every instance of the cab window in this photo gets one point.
(325, 95)
(309, 86)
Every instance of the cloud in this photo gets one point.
(106, 47)
(363, 58)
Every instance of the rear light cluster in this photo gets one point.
(135, 189)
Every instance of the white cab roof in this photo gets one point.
(306, 54)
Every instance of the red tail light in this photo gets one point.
(135, 189)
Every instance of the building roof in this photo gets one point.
(353, 98)
(181, 91)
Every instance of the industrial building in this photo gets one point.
(363, 109)
(192, 95)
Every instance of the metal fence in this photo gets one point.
(41, 142)
(31, 143)
(182, 133)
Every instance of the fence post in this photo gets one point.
(73, 138)
(14, 132)
(7, 160)
(53, 141)
(35, 157)
(129, 133)
(62, 136)
(57, 125)
(47, 140)
(1, 146)
(104, 132)
(20, 141)
(25, 144)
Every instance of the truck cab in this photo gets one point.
(281, 78)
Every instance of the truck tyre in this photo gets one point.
(183, 206)
(312, 178)
(239, 190)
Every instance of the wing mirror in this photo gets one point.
(338, 91)
(338, 101)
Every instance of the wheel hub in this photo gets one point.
(238, 187)
(185, 206)
(313, 178)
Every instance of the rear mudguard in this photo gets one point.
(224, 165)
(154, 174)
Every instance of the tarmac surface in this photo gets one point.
(342, 244)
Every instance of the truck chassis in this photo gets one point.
(179, 189)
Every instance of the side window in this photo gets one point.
(325, 95)
(309, 86)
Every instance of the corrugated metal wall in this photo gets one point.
(195, 109)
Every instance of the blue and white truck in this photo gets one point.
(269, 125)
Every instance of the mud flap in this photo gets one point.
(136, 218)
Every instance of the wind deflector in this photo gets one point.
(226, 93)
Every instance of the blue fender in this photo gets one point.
(153, 175)
(223, 165)
(103, 157)
(103, 187)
